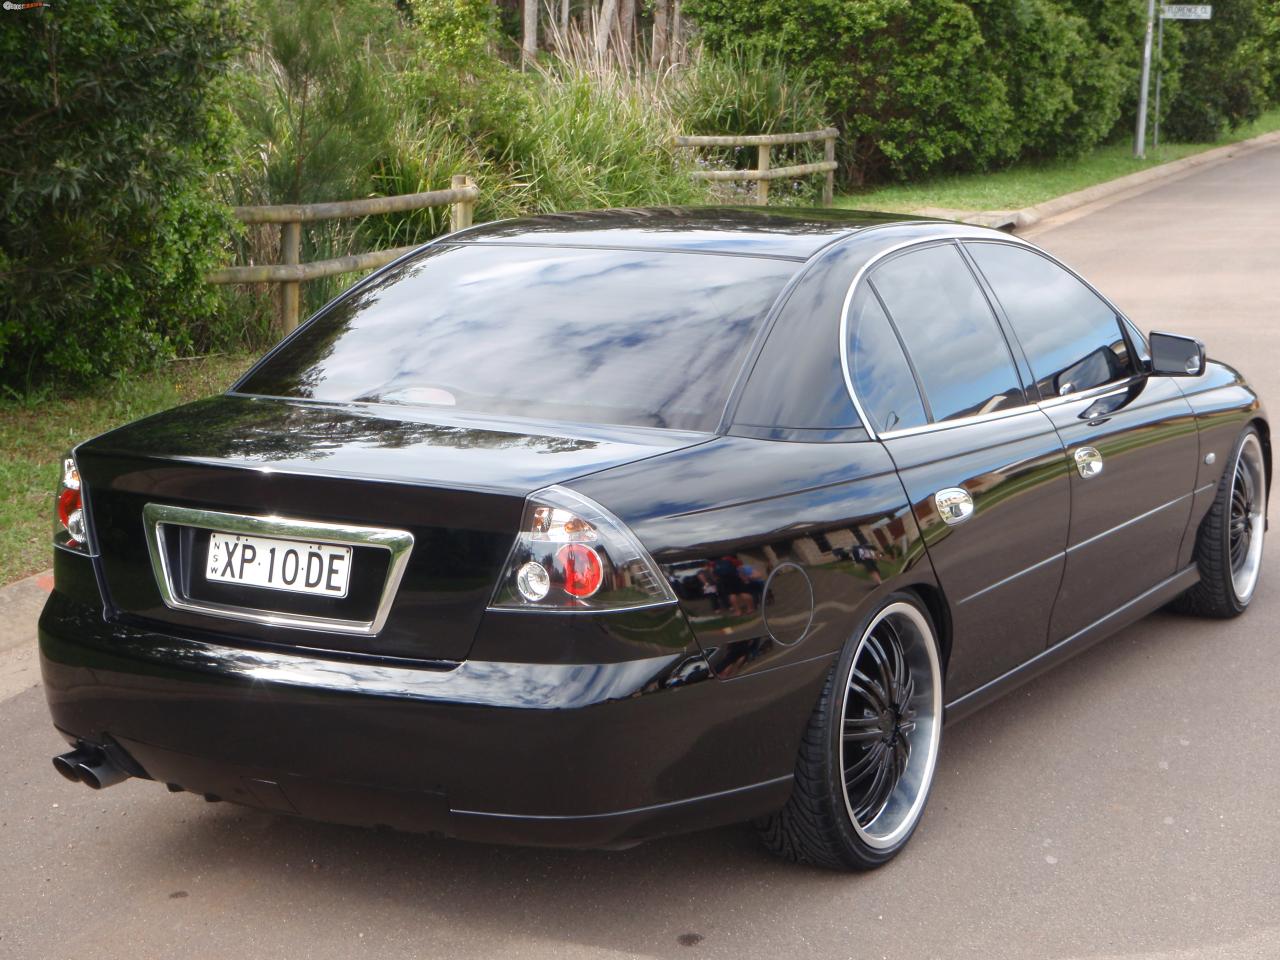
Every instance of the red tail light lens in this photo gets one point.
(572, 554)
(583, 571)
(70, 529)
(68, 505)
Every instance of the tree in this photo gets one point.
(529, 48)
(116, 115)
(661, 23)
(604, 25)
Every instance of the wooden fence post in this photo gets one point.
(461, 212)
(762, 164)
(829, 186)
(290, 250)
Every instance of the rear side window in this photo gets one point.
(600, 336)
(881, 376)
(954, 340)
(1072, 339)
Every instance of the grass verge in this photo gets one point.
(35, 431)
(1027, 184)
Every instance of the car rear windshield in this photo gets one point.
(603, 336)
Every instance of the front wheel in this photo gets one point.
(867, 760)
(1229, 541)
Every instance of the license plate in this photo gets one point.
(292, 565)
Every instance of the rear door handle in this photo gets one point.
(1088, 461)
(954, 505)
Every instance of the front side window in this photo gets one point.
(1072, 339)
(882, 379)
(947, 326)
(643, 338)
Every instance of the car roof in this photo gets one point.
(784, 232)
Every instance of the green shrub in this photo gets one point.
(743, 91)
(592, 141)
(1117, 28)
(908, 81)
(1064, 87)
(315, 114)
(1226, 75)
(335, 104)
(1225, 80)
(1270, 38)
(116, 121)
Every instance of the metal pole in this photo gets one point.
(1155, 136)
(1140, 138)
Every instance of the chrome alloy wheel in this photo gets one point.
(891, 724)
(1247, 522)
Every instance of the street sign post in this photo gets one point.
(1168, 11)
(1140, 135)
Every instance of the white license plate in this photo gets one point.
(293, 565)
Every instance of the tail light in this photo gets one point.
(70, 529)
(573, 554)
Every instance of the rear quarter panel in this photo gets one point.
(808, 533)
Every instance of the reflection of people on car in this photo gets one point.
(731, 588)
(753, 580)
(866, 556)
(708, 586)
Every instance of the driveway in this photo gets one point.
(1124, 805)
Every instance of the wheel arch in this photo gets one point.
(1264, 434)
(935, 602)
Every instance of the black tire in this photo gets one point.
(1217, 594)
(819, 823)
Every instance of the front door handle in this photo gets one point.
(1088, 461)
(954, 505)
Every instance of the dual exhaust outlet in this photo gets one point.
(91, 766)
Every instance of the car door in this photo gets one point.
(982, 467)
(1130, 437)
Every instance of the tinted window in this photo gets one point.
(1072, 339)
(607, 336)
(947, 325)
(798, 381)
(881, 376)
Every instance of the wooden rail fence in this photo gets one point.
(290, 274)
(764, 171)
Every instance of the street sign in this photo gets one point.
(1186, 11)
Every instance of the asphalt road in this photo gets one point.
(1124, 805)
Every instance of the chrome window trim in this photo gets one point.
(959, 422)
(399, 543)
(1093, 393)
(874, 432)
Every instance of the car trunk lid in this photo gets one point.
(455, 484)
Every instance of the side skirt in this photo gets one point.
(1117, 619)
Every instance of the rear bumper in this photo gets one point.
(574, 755)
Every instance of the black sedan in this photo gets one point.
(588, 528)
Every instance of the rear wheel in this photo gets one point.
(1229, 542)
(867, 760)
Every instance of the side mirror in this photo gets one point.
(1176, 356)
